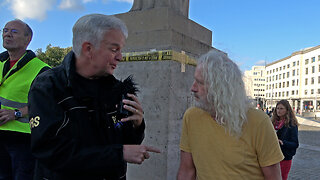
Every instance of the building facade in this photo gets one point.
(255, 82)
(295, 78)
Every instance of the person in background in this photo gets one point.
(222, 137)
(77, 130)
(19, 67)
(286, 125)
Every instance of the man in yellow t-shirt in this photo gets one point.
(222, 137)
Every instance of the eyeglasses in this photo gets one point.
(13, 31)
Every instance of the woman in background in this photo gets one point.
(286, 125)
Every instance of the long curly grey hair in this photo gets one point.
(226, 93)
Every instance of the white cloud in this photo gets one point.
(261, 63)
(37, 9)
(31, 9)
(71, 5)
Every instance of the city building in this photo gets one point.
(295, 78)
(254, 80)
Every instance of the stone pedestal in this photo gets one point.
(163, 29)
(165, 95)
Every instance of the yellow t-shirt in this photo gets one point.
(217, 155)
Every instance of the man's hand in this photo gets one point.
(136, 109)
(136, 154)
(6, 115)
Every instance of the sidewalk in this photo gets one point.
(308, 121)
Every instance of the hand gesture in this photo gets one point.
(136, 154)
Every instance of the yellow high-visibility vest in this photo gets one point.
(14, 91)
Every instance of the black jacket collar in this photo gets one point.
(5, 56)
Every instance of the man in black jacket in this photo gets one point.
(76, 129)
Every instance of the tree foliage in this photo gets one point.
(53, 55)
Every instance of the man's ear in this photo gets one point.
(87, 49)
(28, 40)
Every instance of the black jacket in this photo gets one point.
(289, 137)
(73, 133)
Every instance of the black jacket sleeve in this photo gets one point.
(54, 149)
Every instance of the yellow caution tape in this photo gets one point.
(159, 56)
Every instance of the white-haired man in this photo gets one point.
(76, 130)
(222, 137)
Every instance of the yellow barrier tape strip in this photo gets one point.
(159, 56)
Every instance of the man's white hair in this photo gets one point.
(92, 27)
(226, 93)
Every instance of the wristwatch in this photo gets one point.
(17, 114)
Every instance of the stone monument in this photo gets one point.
(164, 25)
(160, 51)
(180, 6)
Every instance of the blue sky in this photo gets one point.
(252, 32)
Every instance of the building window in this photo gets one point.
(275, 95)
(305, 92)
(313, 69)
(287, 83)
(283, 84)
(297, 92)
(318, 79)
(287, 93)
(293, 82)
(313, 59)
(284, 75)
(279, 76)
(276, 85)
(306, 70)
(298, 72)
(318, 91)
(292, 92)
(288, 65)
(272, 78)
(306, 81)
(288, 74)
(273, 70)
(284, 67)
(279, 85)
(306, 61)
(297, 82)
(312, 91)
(298, 63)
(276, 77)
(294, 63)
(293, 72)
(312, 80)
(280, 68)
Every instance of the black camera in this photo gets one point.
(125, 87)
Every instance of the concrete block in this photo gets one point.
(165, 95)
